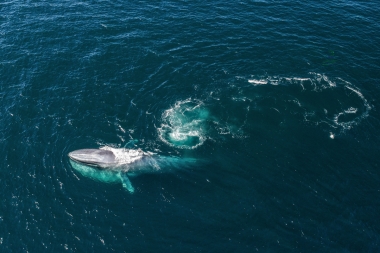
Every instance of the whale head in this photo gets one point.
(94, 157)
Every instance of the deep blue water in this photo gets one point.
(276, 100)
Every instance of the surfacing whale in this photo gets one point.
(111, 165)
(106, 157)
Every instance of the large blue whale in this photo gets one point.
(106, 157)
(112, 165)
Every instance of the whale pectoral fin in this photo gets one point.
(126, 183)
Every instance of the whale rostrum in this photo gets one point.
(94, 157)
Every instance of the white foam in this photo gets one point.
(331, 83)
(351, 110)
(183, 124)
(121, 128)
(125, 156)
(258, 82)
(274, 81)
(301, 79)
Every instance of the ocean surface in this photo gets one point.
(275, 102)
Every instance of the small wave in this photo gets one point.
(258, 82)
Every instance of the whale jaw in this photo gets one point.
(94, 157)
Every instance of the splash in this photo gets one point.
(125, 156)
(184, 125)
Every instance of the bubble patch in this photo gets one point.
(184, 125)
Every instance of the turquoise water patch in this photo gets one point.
(104, 176)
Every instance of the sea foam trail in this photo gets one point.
(331, 101)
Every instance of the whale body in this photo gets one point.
(106, 157)
(112, 165)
